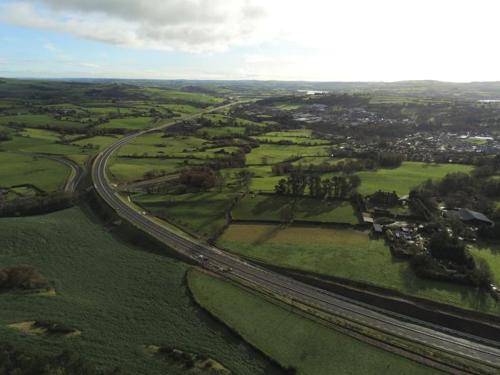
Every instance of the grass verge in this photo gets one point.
(292, 340)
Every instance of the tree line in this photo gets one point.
(337, 187)
(459, 190)
(449, 249)
(39, 204)
(347, 167)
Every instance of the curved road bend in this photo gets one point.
(76, 175)
(77, 172)
(420, 332)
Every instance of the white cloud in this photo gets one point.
(383, 40)
(50, 47)
(314, 39)
(89, 65)
(193, 25)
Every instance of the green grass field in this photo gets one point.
(293, 340)
(16, 169)
(203, 213)
(318, 161)
(36, 121)
(182, 109)
(300, 136)
(264, 184)
(124, 170)
(406, 177)
(38, 141)
(120, 298)
(348, 254)
(132, 123)
(221, 120)
(309, 209)
(220, 131)
(272, 154)
(100, 142)
(268, 207)
(183, 96)
(156, 145)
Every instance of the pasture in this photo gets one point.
(156, 145)
(181, 109)
(120, 297)
(202, 213)
(125, 170)
(299, 137)
(214, 132)
(38, 141)
(36, 121)
(268, 208)
(272, 154)
(406, 177)
(309, 160)
(264, 184)
(129, 123)
(17, 169)
(347, 254)
(291, 339)
(182, 97)
(225, 120)
(98, 142)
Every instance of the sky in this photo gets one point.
(314, 40)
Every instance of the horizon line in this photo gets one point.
(242, 80)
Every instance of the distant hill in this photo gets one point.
(465, 91)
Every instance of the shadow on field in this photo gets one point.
(316, 207)
(271, 203)
(271, 231)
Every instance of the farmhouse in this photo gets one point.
(470, 217)
(367, 218)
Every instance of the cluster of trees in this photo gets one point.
(250, 129)
(389, 159)
(201, 178)
(444, 246)
(39, 204)
(487, 166)
(21, 277)
(449, 250)
(16, 362)
(459, 190)
(384, 198)
(339, 187)
(4, 135)
(233, 160)
(347, 167)
(241, 141)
